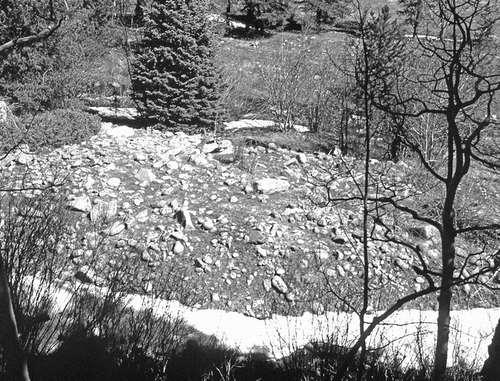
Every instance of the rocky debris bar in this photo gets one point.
(151, 201)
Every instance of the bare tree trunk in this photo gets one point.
(17, 368)
(456, 170)
(444, 302)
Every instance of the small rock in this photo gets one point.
(179, 236)
(199, 160)
(210, 147)
(426, 232)
(208, 224)
(142, 216)
(290, 297)
(158, 164)
(301, 158)
(262, 252)
(116, 228)
(183, 217)
(279, 284)
(215, 297)
(146, 175)
(81, 204)
(146, 256)
(339, 239)
(401, 264)
(23, 159)
(178, 248)
(175, 205)
(322, 222)
(89, 183)
(173, 165)
(140, 156)
(322, 254)
(256, 237)
(114, 182)
(267, 285)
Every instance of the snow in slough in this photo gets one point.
(408, 336)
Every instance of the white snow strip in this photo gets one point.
(408, 335)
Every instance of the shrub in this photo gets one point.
(57, 72)
(301, 86)
(50, 129)
(174, 80)
(34, 225)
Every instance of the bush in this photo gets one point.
(50, 129)
(59, 71)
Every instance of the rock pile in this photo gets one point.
(243, 240)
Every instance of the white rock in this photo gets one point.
(24, 159)
(279, 284)
(142, 216)
(300, 128)
(178, 247)
(262, 252)
(208, 224)
(173, 165)
(114, 182)
(81, 204)
(426, 232)
(89, 182)
(179, 236)
(140, 156)
(158, 164)
(322, 254)
(215, 297)
(145, 174)
(269, 185)
(116, 228)
(210, 147)
(199, 160)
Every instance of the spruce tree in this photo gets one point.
(174, 79)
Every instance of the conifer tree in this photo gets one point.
(174, 79)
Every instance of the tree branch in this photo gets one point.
(47, 32)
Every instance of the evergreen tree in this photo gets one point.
(174, 79)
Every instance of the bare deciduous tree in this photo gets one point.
(447, 77)
(460, 87)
